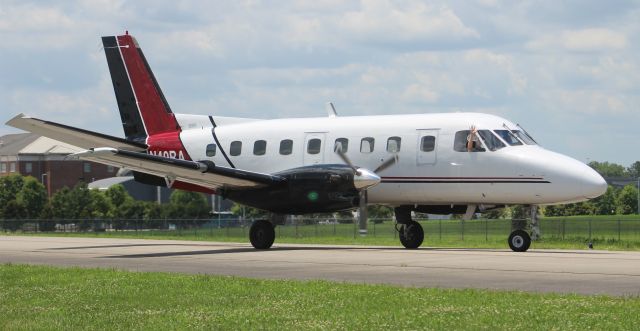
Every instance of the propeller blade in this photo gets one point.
(387, 163)
(345, 158)
(362, 213)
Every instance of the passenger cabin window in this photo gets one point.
(492, 142)
(286, 147)
(427, 143)
(211, 150)
(460, 142)
(393, 144)
(236, 148)
(366, 145)
(508, 137)
(313, 146)
(260, 147)
(342, 143)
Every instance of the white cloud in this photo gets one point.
(585, 40)
(384, 21)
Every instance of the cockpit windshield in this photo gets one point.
(507, 136)
(492, 142)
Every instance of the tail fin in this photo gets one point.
(143, 108)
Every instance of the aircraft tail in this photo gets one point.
(143, 108)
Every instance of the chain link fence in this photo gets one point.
(586, 229)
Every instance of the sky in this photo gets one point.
(567, 71)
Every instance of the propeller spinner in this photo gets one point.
(363, 179)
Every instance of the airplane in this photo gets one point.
(429, 163)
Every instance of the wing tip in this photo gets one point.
(14, 120)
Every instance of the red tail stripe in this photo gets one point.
(157, 119)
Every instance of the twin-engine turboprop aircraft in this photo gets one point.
(430, 163)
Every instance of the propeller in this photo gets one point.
(363, 179)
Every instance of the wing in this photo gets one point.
(200, 173)
(73, 136)
(128, 154)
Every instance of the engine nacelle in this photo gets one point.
(310, 189)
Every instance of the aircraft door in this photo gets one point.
(427, 151)
(314, 148)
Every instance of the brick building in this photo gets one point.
(45, 159)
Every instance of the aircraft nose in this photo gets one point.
(593, 185)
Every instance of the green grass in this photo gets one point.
(558, 233)
(37, 297)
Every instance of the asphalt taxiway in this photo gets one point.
(586, 272)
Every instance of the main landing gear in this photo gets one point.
(262, 233)
(410, 232)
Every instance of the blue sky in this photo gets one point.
(568, 71)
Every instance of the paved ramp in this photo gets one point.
(587, 272)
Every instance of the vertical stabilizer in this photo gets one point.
(143, 108)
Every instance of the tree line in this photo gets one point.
(23, 198)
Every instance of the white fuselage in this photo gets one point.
(522, 174)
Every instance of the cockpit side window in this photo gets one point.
(507, 136)
(492, 142)
(460, 142)
(524, 137)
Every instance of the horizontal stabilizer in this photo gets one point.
(73, 136)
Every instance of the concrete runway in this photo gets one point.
(587, 272)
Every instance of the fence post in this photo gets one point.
(563, 227)
(589, 229)
(296, 224)
(440, 229)
(486, 230)
(462, 227)
(618, 229)
(334, 228)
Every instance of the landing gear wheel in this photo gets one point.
(411, 235)
(262, 234)
(519, 241)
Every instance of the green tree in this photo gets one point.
(496, 213)
(14, 212)
(46, 218)
(101, 206)
(118, 195)
(248, 212)
(153, 215)
(634, 170)
(606, 203)
(554, 210)
(607, 169)
(188, 205)
(627, 202)
(33, 196)
(9, 188)
(379, 212)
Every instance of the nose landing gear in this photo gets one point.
(411, 235)
(519, 241)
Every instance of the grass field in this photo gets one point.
(605, 232)
(36, 297)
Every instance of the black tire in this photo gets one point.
(262, 234)
(411, 235)
(519, 241)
